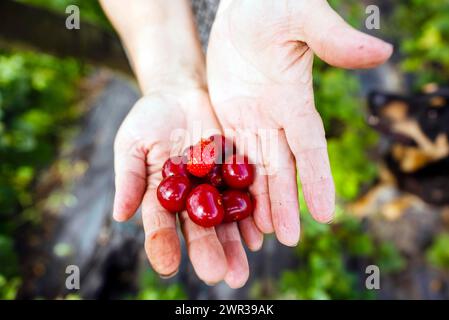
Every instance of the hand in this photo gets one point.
(142, 145)
(169, 64)
(259, 63)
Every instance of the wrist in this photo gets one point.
(172, 83)
(161, 42)
(162, 58)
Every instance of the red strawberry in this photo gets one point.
(201, 158)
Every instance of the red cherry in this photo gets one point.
(172, 193)
(205, 206)
(224, 147)
(214, 177)
(175, 166)
(236, 173)
(237, 205)
(201, 158)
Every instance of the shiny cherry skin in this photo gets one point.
(172, 193)
(205, 206)
(175, 166)
(238, 174)
(215, 178)
(237, 205)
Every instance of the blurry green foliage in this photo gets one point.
(438, 253)
(152, 288)
(8, 287)
(90, 10)
(37, 94)
(9, 279)
(351, 10)
(422, 29)
(36, 106)
(324, 255)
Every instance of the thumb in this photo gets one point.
(130, 181)
(337, 43)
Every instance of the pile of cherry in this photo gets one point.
(209, 180)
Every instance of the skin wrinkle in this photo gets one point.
(226, 233)
(134, 173)
(129, 148)
(153, 182)
(153, 231)
(299, 50)
(158, 219)
(200, 236)
(199, 232)
(263, 193)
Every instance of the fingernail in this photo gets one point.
(321, 202)
(165, 277)
(256, 247)
(290, 242)
(389, 47)
(325, 218)
(116, 217)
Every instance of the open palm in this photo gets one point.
(142, 145)
(260, 58)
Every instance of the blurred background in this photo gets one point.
(63, 94)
